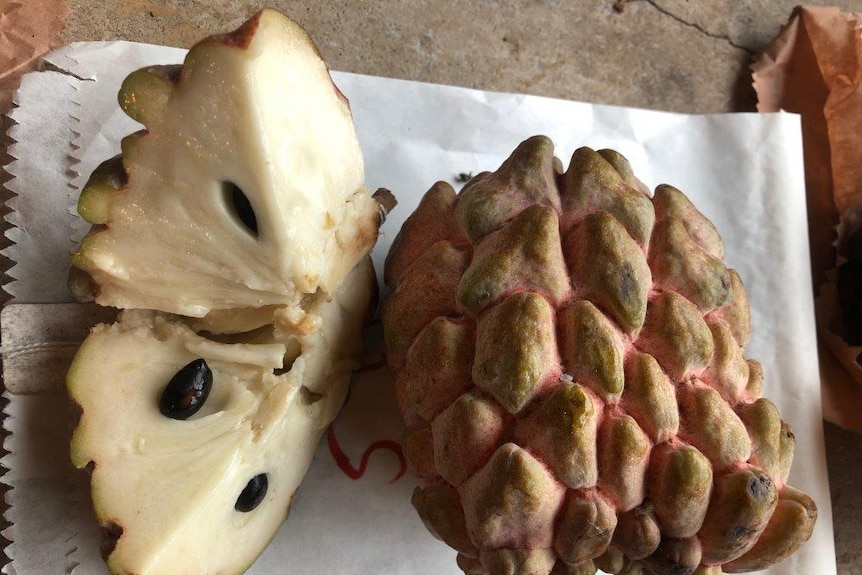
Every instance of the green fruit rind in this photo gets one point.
(789, 527)
(711, 425)
(526, 178)
(740, 509)
(592, 184)
(592, 349)
(520, 324)
(586, 526)
(523, 254)
(679, 485)
(562, 431)
(613, 272)
(439, 507)
(95, 200)
(144, 93)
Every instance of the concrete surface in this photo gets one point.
(678, 55)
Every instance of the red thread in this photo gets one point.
(343, 462)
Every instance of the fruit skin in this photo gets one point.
(592, 406)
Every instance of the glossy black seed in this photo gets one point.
(253, 494)
(187, 391)
(241, 206)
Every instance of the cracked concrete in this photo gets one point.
(582, 50)
(694, 24)
(750, 24)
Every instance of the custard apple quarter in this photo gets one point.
(568, 357)
(235, 233)
(253, 121)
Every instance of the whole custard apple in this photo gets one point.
(567, 353)
(235, 232)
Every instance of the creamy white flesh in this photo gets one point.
(267, 118)
(172, 485)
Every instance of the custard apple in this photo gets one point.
(235, 233)
(568, 357)
(245, 190)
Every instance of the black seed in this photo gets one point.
(253, 494)
(241, 206)
(187, 391)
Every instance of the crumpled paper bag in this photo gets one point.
(814, 68)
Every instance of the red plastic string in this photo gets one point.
(343, 461)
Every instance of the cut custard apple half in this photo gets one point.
(235, 233)
(245, 190)
(197, 447)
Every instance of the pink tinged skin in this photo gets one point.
(523, 325)
(585, 526)
(592, 349)
(676, 335)
(433, 221)
(669, 201)
(518, 561)
(524, 255)
(609, 268)
(728, 371)
(438, 366)
(742, 503)
(439, 507)
(679, 264)
(466, 435)
(561, 430)
(592, 184)
(711, 425)
(623, 450)
(527, 178)
(650, 397)
(511, 502)
(435, 274)
(622, 387)
(679, 486)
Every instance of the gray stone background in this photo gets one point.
(677, 55)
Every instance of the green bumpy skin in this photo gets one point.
(568, 354)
